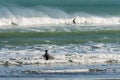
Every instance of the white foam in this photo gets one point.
(63, 54)
(63, 59)
(98, 20)
(23, 21)
(57, 71)
(72, 70)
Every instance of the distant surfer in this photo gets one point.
(12, 23)
(47, 56)
(74, 20)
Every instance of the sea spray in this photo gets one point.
(51, 16)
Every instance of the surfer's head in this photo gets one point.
(46, 51)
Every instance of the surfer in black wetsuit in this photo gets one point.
(47, 56)
(74, 21)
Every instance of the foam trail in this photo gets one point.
(56, 71)
(70, 71)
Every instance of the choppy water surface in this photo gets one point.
(84, 51)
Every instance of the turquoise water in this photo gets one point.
(58, 37)
(107, 7)
(80, 34)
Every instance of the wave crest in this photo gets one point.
(46, 16)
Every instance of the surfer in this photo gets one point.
(47, 56)
(13, 23)
(74, 21)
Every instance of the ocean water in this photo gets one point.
(81, 35)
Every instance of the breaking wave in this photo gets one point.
(63, 59)
(50, 16)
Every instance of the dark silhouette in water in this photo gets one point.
(74, 21)
(12, 23)
(47, 56)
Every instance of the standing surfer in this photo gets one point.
(74, 21)
(47, 56)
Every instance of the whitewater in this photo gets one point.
(51, 16)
